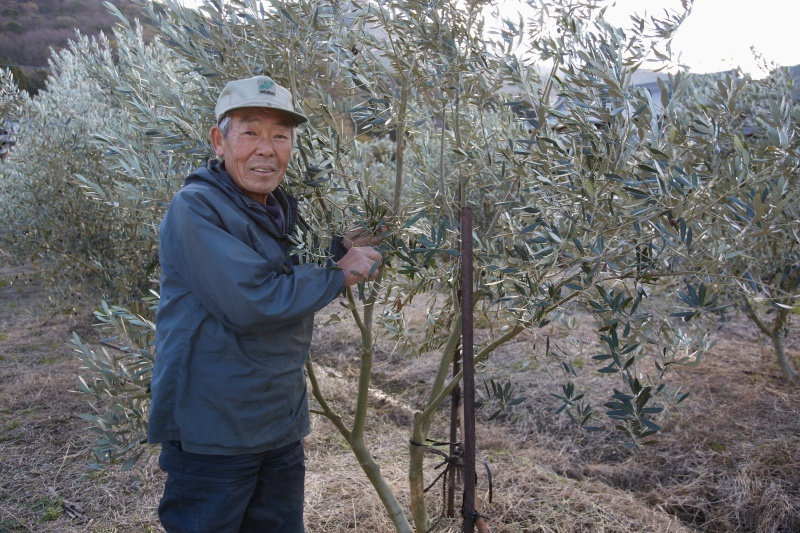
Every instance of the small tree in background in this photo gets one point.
(741, 140)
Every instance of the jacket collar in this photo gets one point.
(214, 174)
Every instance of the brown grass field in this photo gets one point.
(727, 461)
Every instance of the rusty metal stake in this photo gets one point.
(469, 370)
(455, 405)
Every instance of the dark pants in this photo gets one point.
(260, 492)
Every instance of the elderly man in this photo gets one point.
(229, 400)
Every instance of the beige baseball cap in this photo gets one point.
(258, 91)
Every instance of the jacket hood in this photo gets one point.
(213, 173)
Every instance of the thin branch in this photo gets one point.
(751, 312)
(444, 362)
(327, 411)
(354, 309)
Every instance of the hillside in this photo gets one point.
(29, 29)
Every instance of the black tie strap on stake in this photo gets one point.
(431, 443)
(474, 516)
(455, 461)
(452, 461)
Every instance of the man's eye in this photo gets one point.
(249, 133)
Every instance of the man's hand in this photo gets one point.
(359, 264)
(356, 237)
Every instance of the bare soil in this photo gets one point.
(727, 461)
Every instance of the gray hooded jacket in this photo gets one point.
(234, 322)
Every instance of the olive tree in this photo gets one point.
(44, 182)
(740, 139)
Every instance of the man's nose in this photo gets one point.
(266, 146)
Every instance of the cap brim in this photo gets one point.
(297, 118)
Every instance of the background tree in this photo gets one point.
(741, 139)
(44, 185)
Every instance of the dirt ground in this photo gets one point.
(728, 461)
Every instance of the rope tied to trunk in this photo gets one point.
(451, 462)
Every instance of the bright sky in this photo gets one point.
(718, 34)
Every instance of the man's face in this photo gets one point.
(257, 149)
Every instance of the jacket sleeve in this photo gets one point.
(337, 249)
(231, 280)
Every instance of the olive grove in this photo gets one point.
(592, 200)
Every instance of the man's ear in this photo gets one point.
(216, 141)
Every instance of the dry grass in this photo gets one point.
(728, 461)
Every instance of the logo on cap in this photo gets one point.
(266, 87)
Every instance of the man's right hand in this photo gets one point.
(359, 264)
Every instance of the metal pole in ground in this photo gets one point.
(456, 409)
(467, 357)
